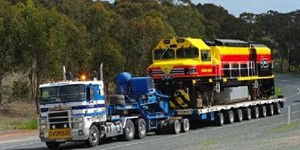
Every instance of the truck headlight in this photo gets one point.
(43, 126)
(77, 122)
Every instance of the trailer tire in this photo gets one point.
(160, 127)
(185, 125)
(229, 117)
(129, 131)
(239, 115)
(175, 126)
(263, 111)
(52, 145)
(247, 113)
(140, 128)
(94, 136)
(117, 99)
(255, 112)
(220, 119)
(270, 110)
(276, 108)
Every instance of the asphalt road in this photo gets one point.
(265, 133)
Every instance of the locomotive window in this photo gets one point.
(164, 54)
(187, 53)
(205, 55)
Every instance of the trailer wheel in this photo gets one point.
(239, 115)
(270, 110)
(94, 138)
(276, 108)
(129, 130)
(263, 111)
(185, 125)
(247, 113)
(52, 145)
(220, 119)
(229, 117)
(175, 126)
(255, 112)
(160, 127)
(140, 128)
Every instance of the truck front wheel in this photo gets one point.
(129, 131)
(94, 138)
(140, 128)
(52, 145)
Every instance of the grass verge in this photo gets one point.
(285, 126)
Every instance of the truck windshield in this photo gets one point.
(62, 93)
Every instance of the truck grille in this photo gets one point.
(59, 119)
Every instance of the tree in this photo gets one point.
(46, 36)
(186, 21)
(9, 39)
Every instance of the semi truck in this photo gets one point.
(197, 81)
(79, 111)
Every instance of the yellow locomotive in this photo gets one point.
(197, 73)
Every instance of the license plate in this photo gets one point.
(60, 133)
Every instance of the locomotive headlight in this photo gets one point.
(65, 125)
(53, 126)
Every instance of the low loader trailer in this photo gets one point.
(79, 111)
(235, 112)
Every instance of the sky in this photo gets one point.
(236, 7)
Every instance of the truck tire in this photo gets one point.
(270, 110)
(247, 113)
(117, 99)
(175, 126)
(229, 117)
(238, 115)
(263, 111)
(276, 108)
(220, 119)
(129, 131)
(255, 112)
(160, 127)
(94, 138)
(52, 145)
(185, 125)
(140, 128)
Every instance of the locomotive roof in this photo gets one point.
(230, 42)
